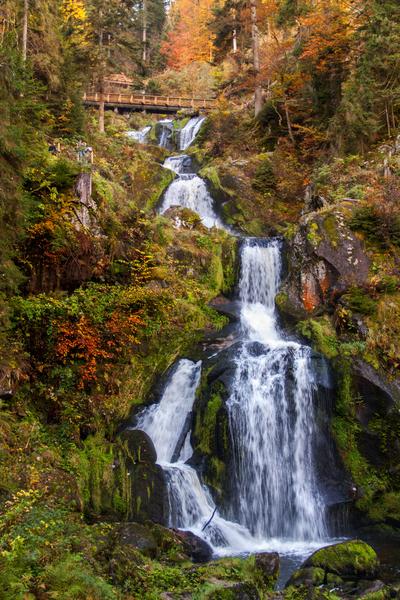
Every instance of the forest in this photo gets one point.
(199, 299)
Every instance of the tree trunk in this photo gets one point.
(25, 30)
(255, 39)
(101, 106)
(144, 33)
(101, 78)
(289, 124)
(234, 41)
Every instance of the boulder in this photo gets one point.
(196, 548)
(324, 259)
(310, 576)
(267, 564)
(148, 490)
(352, 560)
(139, 537)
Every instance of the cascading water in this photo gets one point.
(189, 132)
(190, 503)
(139, 135)
(271, 414)
(165, 127)
(276, 504)
(189, 191)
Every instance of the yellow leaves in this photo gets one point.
(75, 21)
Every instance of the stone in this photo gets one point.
(148, 492)
(268, 565)
(352, 560)
(139, 537)
(196, 548)
(310, 576)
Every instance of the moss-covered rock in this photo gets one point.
(349, 560)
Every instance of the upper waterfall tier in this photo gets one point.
(189, 132)
(189, 191)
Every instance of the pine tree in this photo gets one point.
(370, 107)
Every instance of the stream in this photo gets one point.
(276, 501)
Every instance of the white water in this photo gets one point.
(166, 132)
(179, 164)
(276, 505)
(140, 135)
(189, 132)
(164, 422)
(189, 191)
(271, 414)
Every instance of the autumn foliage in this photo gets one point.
(82, 344)
(189, 38)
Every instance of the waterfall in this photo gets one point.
(140, 135)
(271, 413)
(179, 164)
(190, 503)
(189, 132)
(164, 422)
(275, 503)
(165, 128)
(189, 191)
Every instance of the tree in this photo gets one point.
(111, 28)
(25, 29)
(189, 38)
(255, 39)
(370, 107)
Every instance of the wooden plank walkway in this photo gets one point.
(145, 101)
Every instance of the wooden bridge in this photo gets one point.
(160, 104)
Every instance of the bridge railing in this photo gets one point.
(149, 100)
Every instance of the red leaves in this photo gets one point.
(89, 346)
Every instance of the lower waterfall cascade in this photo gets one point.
(276, 504)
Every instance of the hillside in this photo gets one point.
(199, 311)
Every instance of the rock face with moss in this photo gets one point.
(336, 291)
(326, 258)
(345, 570)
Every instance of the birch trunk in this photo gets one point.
(25, 30)
(255, 38)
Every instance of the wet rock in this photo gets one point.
(196, 548)
(226, 307)
(147, 480)
(351, 560)
(268, 565)
(325, 258)
(375, 589)
(310, 576)
(139, 537)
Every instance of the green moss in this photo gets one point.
(206, 424)
(388, 507)
(346, 431)
(358, 300)
(165, 178)
(322, 335)
(313, 235)
(211, 173)
(314, 575)
(348, 559)
(329, 225)
(102, 488)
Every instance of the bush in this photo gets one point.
(380, 227)
(359, 301)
